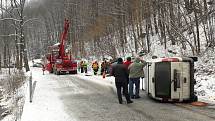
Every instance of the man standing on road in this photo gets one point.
(127, 63)
(120, 72)
(135, 72)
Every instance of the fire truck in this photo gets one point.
(58, 61)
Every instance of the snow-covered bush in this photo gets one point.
(205, 74)
(11, 95)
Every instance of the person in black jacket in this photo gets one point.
(120, 72)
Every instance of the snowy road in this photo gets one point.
(70, 98)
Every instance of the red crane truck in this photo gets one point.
(58, 61)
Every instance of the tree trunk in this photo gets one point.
(197, 31)
(18, 64)
(147, 37)
(9, 57)
(23, 54)
(134, 36)
(0, 64)
(5, 55)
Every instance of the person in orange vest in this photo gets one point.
(95, 67)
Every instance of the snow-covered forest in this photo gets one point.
(106, 27)
(109, 29)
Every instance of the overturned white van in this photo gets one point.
(171, 79)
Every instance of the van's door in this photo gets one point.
(176, 80)
(163, 79)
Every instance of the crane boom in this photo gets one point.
(63, 38)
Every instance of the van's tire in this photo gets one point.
(195, 98)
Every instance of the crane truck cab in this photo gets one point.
(58, 65)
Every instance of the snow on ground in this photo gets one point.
(14, 106)
(47, 105)
(46, 102)
(205, 77)
(107, 81)
(12, 95)
(205, 88)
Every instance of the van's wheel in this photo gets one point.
(195, 98)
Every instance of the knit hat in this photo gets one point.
(119, 60)
(128, 58)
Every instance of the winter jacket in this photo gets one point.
(127, 63)
(136, 69)
(84, 65)
(95, 65)
(120, 72)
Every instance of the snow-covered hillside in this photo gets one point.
(11, 95)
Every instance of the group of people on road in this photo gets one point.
(128, 73)
(105, 67)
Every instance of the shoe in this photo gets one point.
(132, 97)
(129, 101)
(120, 102)
(136, 97)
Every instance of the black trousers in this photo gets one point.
(82, 69)
(95, 71)
(119, 87)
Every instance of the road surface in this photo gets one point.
(84, 100)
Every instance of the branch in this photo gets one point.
(29, 20)
(6, 10)
(16, 5)
(18, 20)
(10, 35)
